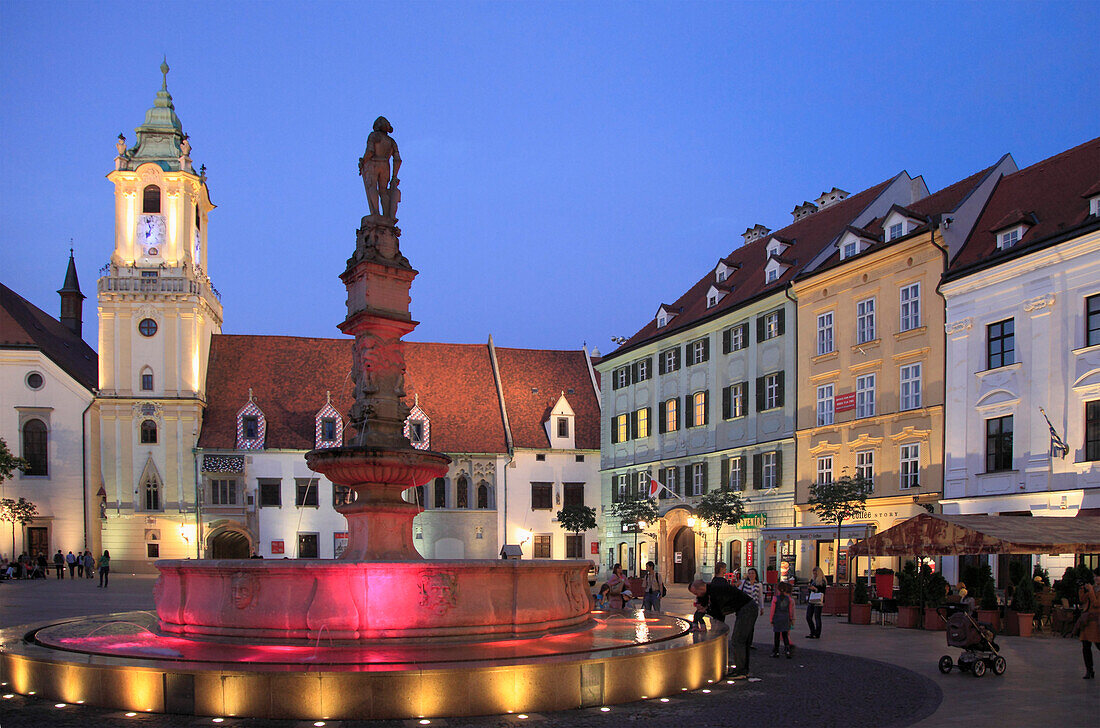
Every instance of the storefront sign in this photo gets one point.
(750, 554)
(844, 402)
(339, 543)
(753, 520)
(630, 527)
(277, 547)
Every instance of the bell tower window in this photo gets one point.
(150, 199)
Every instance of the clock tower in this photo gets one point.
(157, 313)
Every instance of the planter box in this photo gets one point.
(837, 599)
(932, 620)
(991, 616)
(1023, 622)
(860, 614)
(908, 617)
(884, 585)
(1012, 627)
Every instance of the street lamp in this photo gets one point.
(691, 521)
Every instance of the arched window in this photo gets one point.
(151, 488)
(440, 493)
(35, 448)
(418, 493)
(146, 380)
(462, 493)
(148, 432)
(198, 218)
(483, 495)
(150, 199)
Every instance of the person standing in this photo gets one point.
(654, 588)
(70, 560)
(1089, 596)
(89, 564)
(816, 603)
(104, 568)
(782, 617)
(617, 583)
(719, 599)
(59, 564)
(752, 586)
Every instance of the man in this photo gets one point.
(71, 561)
(59, 564)
(654, 585)
(374, 165)
(720, 598)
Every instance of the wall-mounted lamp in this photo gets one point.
(691, 521)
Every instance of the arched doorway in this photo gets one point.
(683, 556)
(734, 559)
(230, 545)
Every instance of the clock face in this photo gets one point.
(151, 234)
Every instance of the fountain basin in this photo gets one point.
(300, 600)
(395, 469)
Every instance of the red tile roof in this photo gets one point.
(25, 326)
(290, 375)
(808, 237)
(1052, 190)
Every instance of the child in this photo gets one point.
(627, 596)
(698, 624)
(782, 616)
(603, 598)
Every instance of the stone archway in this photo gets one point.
(229, 544)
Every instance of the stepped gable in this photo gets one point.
(533, 380)
(25, 326)
(1054, 190)
(290, 375)
(808, 235)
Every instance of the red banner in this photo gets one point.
(844, 402)
(277, 547)
(750, 553)
(595, 548)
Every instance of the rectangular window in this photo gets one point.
(824, 470)
(698, 479)
(328, 429)
(574, 546)
(641, 370)
(769, 470)
(643, 484)
(865, 321)
(541, 546)
(620, 433)
(825, 405)
(773, 325)
(896, 230)
(271, 492)
(1001, 344)
(621, 377)
(672, 415)
(910, 466)
(305, 492)
(670, 360)
(223, 492)
(1007, 240)
(910, 306)
(147, 382)
(849, 250)
(152, 550)
(642, 429)
(307, 546)
(910, 387)
(865, 396)
(738, 338)
(699, 409)
(573, 494)
(699, 351)
(865, 464)
(542, 499)
(1092, 430)
(1092, 320)
(416, 432)
(672, 481)
(773, 275)
(736, 400)
(998, 444)
(772, 391)
(825, 333)
(737, 474)
(620, 487)
(563, 427)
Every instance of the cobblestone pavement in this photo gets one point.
(854, 676)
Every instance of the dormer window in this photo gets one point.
(418, 428)
(850, 248)
(1094, 206)
(1008, 238)
(664, 316)
(329, 427)
(896, 230)
(662, 321)
(560, 426)
(721, 275)
(251, 426)
(773, 275)
(416, 432)
(711, 301)
(714, 295)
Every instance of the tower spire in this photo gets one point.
(72, 300)
(164, 71)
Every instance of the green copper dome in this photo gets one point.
(159, 137)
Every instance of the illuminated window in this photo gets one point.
(699, 409)
(643, 422)
(541, 546)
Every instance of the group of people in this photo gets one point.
(79, 565)
(616, 592)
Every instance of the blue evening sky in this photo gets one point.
(567, 166)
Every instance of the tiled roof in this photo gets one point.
(1052, 190)
(25, 326)
(533, 380)
(807, 237)
(290, 375)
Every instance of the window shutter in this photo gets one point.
(706, 407)
(629, 374)
(689, 412)
(706, 349)
(676, 359)
(726, 345)
(614, 380)
(648, 367)
(648, 421)
(745, 335)
(662, 419)
(782, 326)
(661, 363)
(725, 474)
(744, 469)
(704, 478)
(780, 377)
(759, 329)
(778, 468)
(634, 371)
(634, 425)
(757, 475)
(614, 489)
(685, 478)
(614, 432)
(726, 395)
(760, 394)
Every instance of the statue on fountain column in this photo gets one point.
(382, 188)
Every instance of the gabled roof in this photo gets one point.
(807, 237)
(1051, 189)
(291, 375)
(25, 326)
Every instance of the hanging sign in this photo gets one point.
(844, 402)
(595, 546)
(277, 547)
(679, 558)
(750, 554)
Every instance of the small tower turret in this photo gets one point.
(72, 300)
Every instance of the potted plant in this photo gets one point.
(935, 589)
(1023, 608)
(908, 597)
(884, 583)
(988, 610)
(860, 611)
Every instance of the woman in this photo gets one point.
(752, 586)
(617, 582)
(654, 585)
(1089, 596)
(816, 602)
(104, 568)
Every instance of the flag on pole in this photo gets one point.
(655, 487)
(1058, 446)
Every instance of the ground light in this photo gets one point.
(59, 705)
(8, 696)
(606, 709)
(522, 716)
(130, 715)
(664, 700)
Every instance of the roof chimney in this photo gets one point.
(801, 211)
(755, 233)
(831, 197)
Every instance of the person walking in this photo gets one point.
(1089, 596)
(70, 560)
(719, 599)
(104, 568)
(752, 586)
(782, 617)
(59, 564)
(816, 603)
(89, 564)
(654, 588)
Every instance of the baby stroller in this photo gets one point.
(976, 639)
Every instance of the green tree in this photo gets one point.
(577, 519)
(837, 502)
(21, 511)
(9, 463)
(637, 513)
(720, 508)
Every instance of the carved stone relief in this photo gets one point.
(438, 591)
